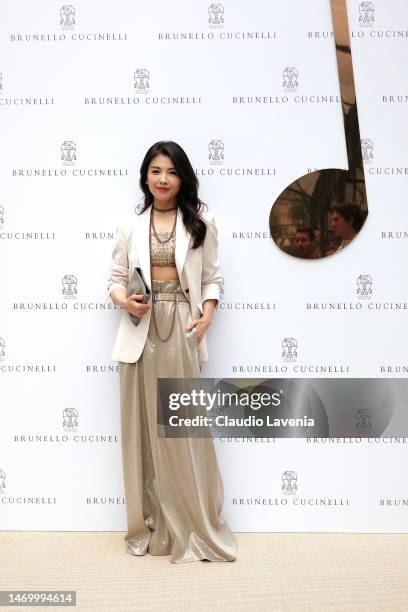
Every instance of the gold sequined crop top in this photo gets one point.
(163, 254)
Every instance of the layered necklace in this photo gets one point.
(163, 210)
(152, 227)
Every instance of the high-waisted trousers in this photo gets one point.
(173, 487)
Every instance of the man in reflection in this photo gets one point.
(346, 221)
(305, 243)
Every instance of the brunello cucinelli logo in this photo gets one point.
(216, 152)
(68, 153)
(364, 420)
(289, 349)
(71, 300)
(289, 368)
(290, 355)
(290, 363)
(366, 17)
(20, 498)
(69, 286)
(67, 28)
(10, 97)
(319, 34)
(101, 368)
(396, 368)
(393, 502)
(364, 287)
(290, 79)
(289, 482)
(98, 235)
(144, 90)
(247, 306)
(8, 366)
(248, 440)
(293, 90)
(70, 419)
(66, 432)
(105, 501)
(216, 15)
(367, 148)
(142, 81)
(394, 99)
(364, 292)
(68, 156)
(363, 441)
(394, 235)
(218, 163)
(291, 494)
(17, 235)
(216, 30)
(369, 26)
(254, 235)
(67, 17)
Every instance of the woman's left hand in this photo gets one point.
(201, 325)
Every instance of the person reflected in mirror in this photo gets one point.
(306, 244)
(346, 221)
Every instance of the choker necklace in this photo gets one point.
(163, 209)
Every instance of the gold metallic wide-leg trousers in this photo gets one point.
(173, 487)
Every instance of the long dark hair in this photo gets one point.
(350, 212)
(187, 198)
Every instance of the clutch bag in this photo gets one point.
(137, 285)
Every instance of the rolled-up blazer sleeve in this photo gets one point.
(119, 270)
(212, 282)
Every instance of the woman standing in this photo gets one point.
(174, 491)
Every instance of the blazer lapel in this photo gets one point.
(142, 243)
(182, 242)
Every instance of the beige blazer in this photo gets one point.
(198, 272)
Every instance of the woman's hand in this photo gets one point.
(201, 325)
(133, 305)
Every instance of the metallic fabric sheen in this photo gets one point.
(173, 486)
(164, 253)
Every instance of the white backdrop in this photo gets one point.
(74, 83)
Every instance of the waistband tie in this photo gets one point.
(160, 296)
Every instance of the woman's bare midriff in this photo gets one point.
(164, 273)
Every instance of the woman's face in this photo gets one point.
(162, 178)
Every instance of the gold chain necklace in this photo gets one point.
(154, 229)
(151, 277)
